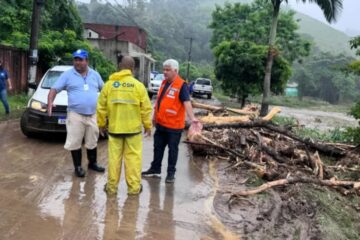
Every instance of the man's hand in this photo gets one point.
(196, 124)
(147, 132)
(49, 109)
(51, 97)
(103, 131)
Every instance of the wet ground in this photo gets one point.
(319, 119)
(41, 199)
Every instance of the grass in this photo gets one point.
(335, 214)
(17, 106)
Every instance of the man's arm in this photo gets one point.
(9, 83)
(145, 110)
(189, 112)
(101, 111)
(51, 97)
(58, 86)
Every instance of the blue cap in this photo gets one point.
(80, 53)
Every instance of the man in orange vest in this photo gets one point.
(172, 102)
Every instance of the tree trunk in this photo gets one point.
(270, 59)
(243, 100)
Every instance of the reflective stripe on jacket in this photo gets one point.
(125, 104)
(171, 113)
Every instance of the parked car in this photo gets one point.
(154, 84)
(35, 119)
(202, 86)
(153, 74)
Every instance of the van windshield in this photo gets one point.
(203, 82)
(159, 77)
(51, 78)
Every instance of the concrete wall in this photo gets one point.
(112, 48)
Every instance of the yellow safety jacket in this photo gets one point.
(124, 105)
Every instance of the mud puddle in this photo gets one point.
(41, 199)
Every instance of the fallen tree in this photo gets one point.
(274, 152)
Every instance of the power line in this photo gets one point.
(123, 11)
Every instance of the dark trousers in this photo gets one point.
(161, 139)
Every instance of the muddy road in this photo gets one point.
(320, 120)
(41, 199)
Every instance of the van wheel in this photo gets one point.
(209, 96)
(23, 125)
(150, 95)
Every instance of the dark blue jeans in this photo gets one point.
(161, 139)
(4, 100)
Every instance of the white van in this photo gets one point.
(35, 119)
(155, 84)
(202, 86)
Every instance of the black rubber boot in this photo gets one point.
(92, 156)
(76, 156)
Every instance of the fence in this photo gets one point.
(15, 61)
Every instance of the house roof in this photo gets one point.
(133, 34)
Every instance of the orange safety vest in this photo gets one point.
(171, 113)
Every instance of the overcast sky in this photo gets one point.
(348, 21)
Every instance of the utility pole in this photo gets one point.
(34, 56)
(189, 59)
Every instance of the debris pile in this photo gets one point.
(274, 153)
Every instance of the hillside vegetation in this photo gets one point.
(326, 38)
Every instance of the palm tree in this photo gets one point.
(330, 8)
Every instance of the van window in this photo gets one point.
(159, 76)
(51, 78)
(203, 82)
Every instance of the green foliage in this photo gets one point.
(355, 110)
(323, 76)
(167, 22)
(323, 36)
(239, 66)
(334, 135)
(104, 66)
(60, 33)
(281, 120)
(250, 22)
(197, 70)
(17, 104)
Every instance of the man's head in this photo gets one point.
(170, 69)
(80, 60)
(128, 63)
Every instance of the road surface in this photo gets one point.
(40, 198)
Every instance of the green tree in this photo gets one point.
(330, 9)
(323, 76)
(249, 22)
(355, 110)
(239, 64)
(60, 33)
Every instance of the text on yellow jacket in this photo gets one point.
(124, 105)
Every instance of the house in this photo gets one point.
(291, 89)
(115, 41)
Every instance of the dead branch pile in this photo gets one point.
(276, 154)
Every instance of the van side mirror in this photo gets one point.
(32, 85)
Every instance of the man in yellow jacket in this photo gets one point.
(123, 108)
